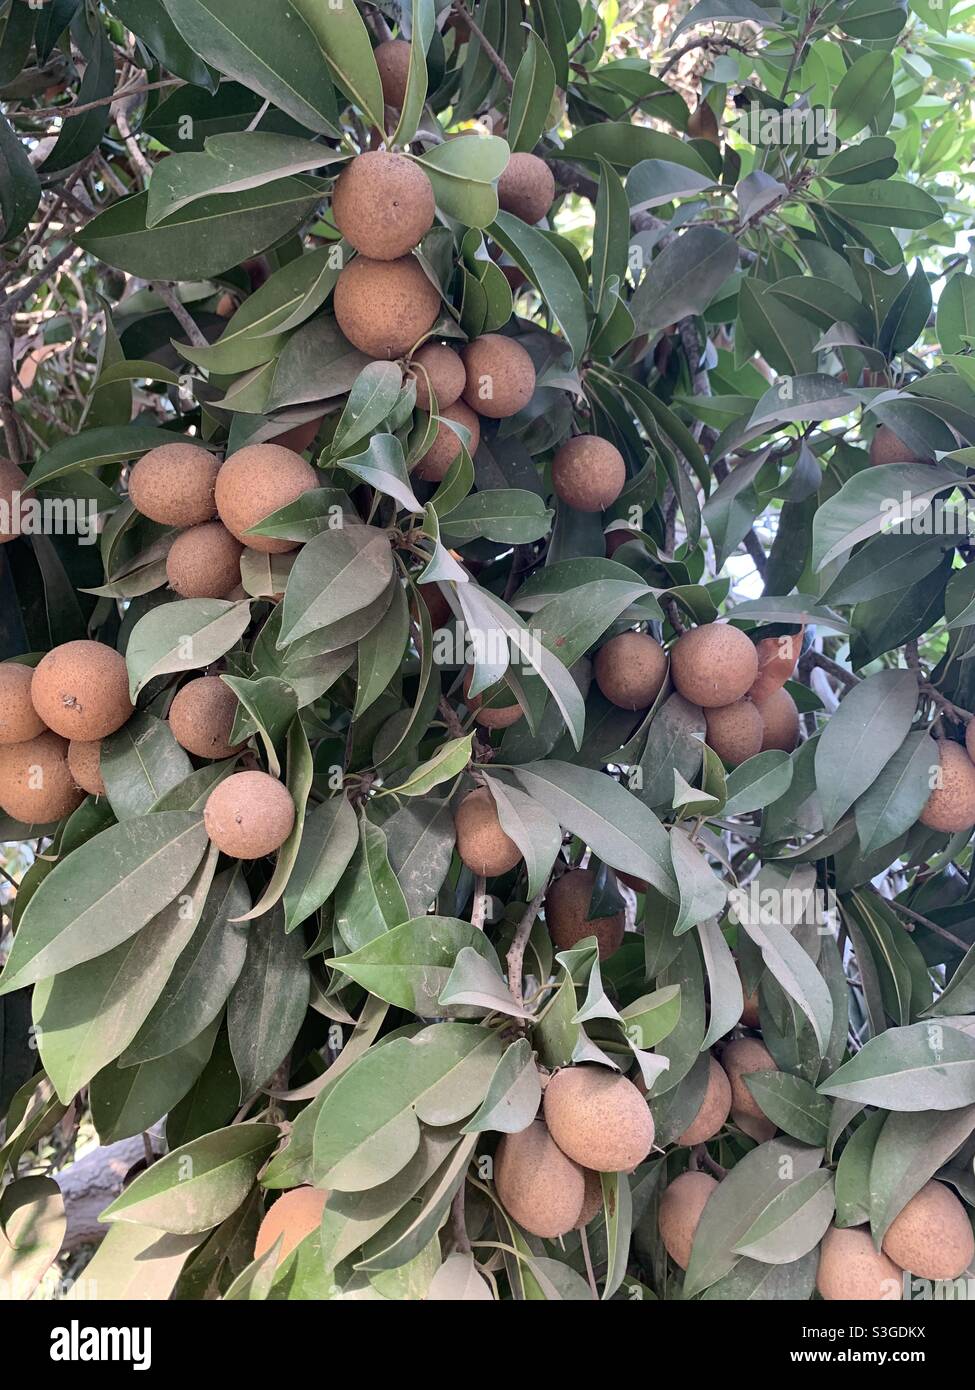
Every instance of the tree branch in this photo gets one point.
(490, 51)
(516, 951)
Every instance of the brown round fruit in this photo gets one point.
(383, 204)
(932, 1235)
(750, 1012)
(714, 664)
(498, 712)
(204, 562)
(500, 376)
(393, 61)
(567, 915)
(780, 721)
(295, 1215)
(36, 786)
(435, 463)
(592, 1203)
(679, 1213)
(639, 885)
(538, 1186)
(619, 536)
(85, 762)
(777, 657)
(598, 1118)
(739, 1059)
(13, 481)
(526, 188)
(385, 307)
(735, 731)
(588, 473)
(19, 720)
(630, 669)
(445, 371)
(714, 1111)
(951, 805)
(439, 609)
(202, 716)
(81, 690)
(481, 843)
(887, 447)
(249, 815)
(174, 485)
(256, 481)
(852, 1269)
(702, 124)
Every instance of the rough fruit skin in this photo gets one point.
(951, 806)
(385, 307)
(598, 1118)
(739, 1059)
(491, 716)
(202, 716)
(588, 473)
(592, 1203)
(204, 562)
(439, 609)
(256, 481)
(81, 690)
(566, 908)
(174, 485)
(85, 762)
(446, 372)
(481, 843)
(393, 61)
(526, 188)
(294, 1216)
(680, 1212)
(780, 721)
(887, 447)
(750, 1016)
(19, 721)
(932, 1235)
(713, 665)
(12, 479)
(383, 204)
(500, 376)
(735, 732)
(249, 815)
(42, 761)
(714, 1111)
(538, 1186)
(851, 1270)
(435, 463)
(630, 669)
(777, 657)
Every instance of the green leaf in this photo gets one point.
(861, 737)
(531, 96)
(422, 30)
(793, 1223)
(32, 1228)
(549, 271)
(758, 782)
(267, 1004)
(450, 759)
(534, 830)
(20, 188)
(410, 965)
(793, 1105)
(955, 324)
(874, 499)
(908, 1151)
(734, 10)
(374, 393)
(97, 448)
(926, 1066)
(513, 1096)
(182, 636)
(329, 838)
(130, 1100)
(139, 764)
(462, 171)
(336, 574)
(683, 278)
(509, 516)
(383, 466)
(892, 805)
(885, 203)
(369, 900)
(859, 95)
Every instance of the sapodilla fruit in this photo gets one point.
(255, 482)
(19, 720)
(393, 61)
(887, 447)
(593, 1201)
(249, 815)
(780, 720)
(714, 664)
(85, 762)
(680, 1211)
(932, 1235)
(81, 690)
(294, 1216)
(566, 912)
(714, 1109)
(852, 1269)
(13, 481)
(383, 204)
(435, 463)
(538, 1186)
(526, 188)
(500, 715)
(202, 716)
(588, 473)
(385, 307)
(750, 1015)
(500, 376)
(174, 484)
(443, 370)
(598, 1118)
(36, 786)
(702, 124)
(951, 805)
(735, 731)
(777, 657)
(739, 1059)
(204, 562)
(439, 609)
(630, 670)
(481, 843)
(639, 885)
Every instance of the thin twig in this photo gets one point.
(490, 51)
(48, 112)
(712, 42)
(179, 312)
(516, 951)
(458, 1222)
(932, 926)
(832, 668)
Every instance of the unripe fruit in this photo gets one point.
(446, 375)
(85, 762)
(680, 1211)
(588, 473)
(780, 721)
(851, 1269)
(255, 482)
(174, 484)
(538, 1186)
(13, 481)
(204, 562)
(295, 1215)
(500, 376)
(383, 204)
(566, 910)
(385, 307)
(630, 670)
(735, 731)
(202, 716)
(81, 690)
(887, 447)
(393, 61)
(500, 715)
(36, 786)
(777, 657)
(249, 815)
(932, 1235)
(739, 1059)
(526, 188)
(481, 843)
(714, 1111)
(19, 720)
(598, 1118)
(435, 463)
(714, 664)
(951, 806)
